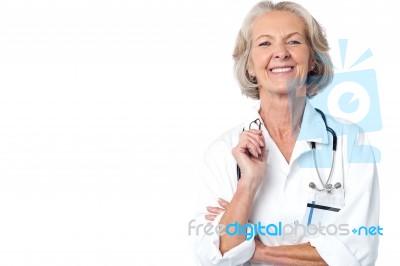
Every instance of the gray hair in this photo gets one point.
(317, 79)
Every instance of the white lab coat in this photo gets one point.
(284, 193)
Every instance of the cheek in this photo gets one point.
(260, 60)
(302, 57)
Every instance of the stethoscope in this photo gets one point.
(328, 187)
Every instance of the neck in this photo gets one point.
(282, 114)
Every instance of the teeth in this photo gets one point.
(279, 70)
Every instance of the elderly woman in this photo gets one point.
(273, 200)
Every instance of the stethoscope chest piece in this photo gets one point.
(328, 187)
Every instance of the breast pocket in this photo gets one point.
(323, 207)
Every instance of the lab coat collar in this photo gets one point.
(312, 129)
(312, 126)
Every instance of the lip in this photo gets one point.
(281, 69)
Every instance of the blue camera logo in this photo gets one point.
(353, 96)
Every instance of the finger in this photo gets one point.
(243, 155)
(251, 145)
(248, 144)
(223, 203)
(255, 134)
(259, 139)
(210, 217)
(246, 150)
(215, 210)
(256, 131)
(264, 154)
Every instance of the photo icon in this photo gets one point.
(352, 96)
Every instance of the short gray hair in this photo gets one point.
(317, 79)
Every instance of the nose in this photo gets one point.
(281, 52)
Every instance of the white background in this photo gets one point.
(106, 107)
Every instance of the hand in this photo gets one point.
(214, 211)
(250, 154)
(257, 256)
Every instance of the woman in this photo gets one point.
(266, 169)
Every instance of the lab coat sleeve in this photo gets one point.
(361, 208)
(218, 180)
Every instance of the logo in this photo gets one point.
(352, 97)
(280, 229)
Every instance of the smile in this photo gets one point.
(281, 70)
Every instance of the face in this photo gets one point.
(280, 54)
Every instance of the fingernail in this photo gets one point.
(262, 143)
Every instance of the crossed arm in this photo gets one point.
(299, 255)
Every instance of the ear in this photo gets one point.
(311, 63)
(250, 69)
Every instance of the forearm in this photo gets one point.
(237, 211)
(299, 255)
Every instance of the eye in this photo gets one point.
(293, 42)
(266, 43)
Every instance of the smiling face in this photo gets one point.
(280, 54)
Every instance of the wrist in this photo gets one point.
(260, 251)
(247, 188)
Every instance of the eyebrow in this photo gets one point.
(285, 37)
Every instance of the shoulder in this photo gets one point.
(356, 141)
(343, 127)
(224, 143)
(218, 166)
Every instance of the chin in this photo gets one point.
(286, 89)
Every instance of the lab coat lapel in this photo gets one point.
(312, 129)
